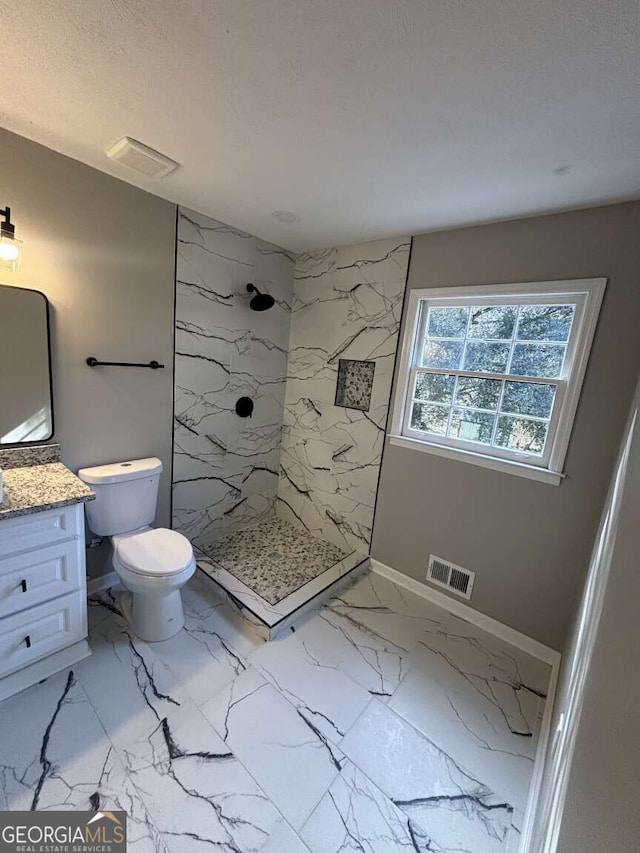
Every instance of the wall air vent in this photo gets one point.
(451, 577)
(136, 155)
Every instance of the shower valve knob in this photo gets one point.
(244, 407)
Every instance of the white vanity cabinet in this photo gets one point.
(43, 595)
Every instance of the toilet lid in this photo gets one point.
(155, 552)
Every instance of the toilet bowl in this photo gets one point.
(153, 565)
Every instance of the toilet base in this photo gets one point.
(154, 618)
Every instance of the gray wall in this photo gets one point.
(601, 810)
(529, 542)
(103, 253)
(588, 799)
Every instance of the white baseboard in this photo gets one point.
(102, 582)
(458, 608)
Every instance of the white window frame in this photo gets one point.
(586, 294)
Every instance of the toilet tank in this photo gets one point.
(126, 495)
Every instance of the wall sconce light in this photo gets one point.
(9, 245)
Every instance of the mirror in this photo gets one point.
(26, 406)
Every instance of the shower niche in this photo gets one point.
(355, 384)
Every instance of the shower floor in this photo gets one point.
(274, 569)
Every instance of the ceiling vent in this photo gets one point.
(140, 157)
(451, 577)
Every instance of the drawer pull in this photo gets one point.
(23, 585)
(27, 640)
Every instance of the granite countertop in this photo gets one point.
(40, 487)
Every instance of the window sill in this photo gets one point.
(520, 469)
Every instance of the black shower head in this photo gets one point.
(261, 301)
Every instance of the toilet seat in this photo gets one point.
(156, 552)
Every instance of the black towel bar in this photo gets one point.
(93, 362)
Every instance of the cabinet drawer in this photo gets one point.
(36, 576)
(28, 636)
(40, 528)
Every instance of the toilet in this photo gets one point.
(153, 563)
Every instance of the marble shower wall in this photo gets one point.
(347, 304)
(226, 468)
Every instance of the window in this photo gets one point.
(492, 374)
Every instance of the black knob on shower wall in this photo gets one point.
(244, 407)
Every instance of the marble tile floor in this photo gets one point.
(381, 723)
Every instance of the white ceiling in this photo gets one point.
(367, 118)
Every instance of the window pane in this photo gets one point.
(528, 398)
(444, 354)
(521, 434)
(434, 387)
(486, 357)
(492, 321)
(429, 418)
(447, 322)
(545, 322)
(537, 360)
(478, 393)
(472, 426)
